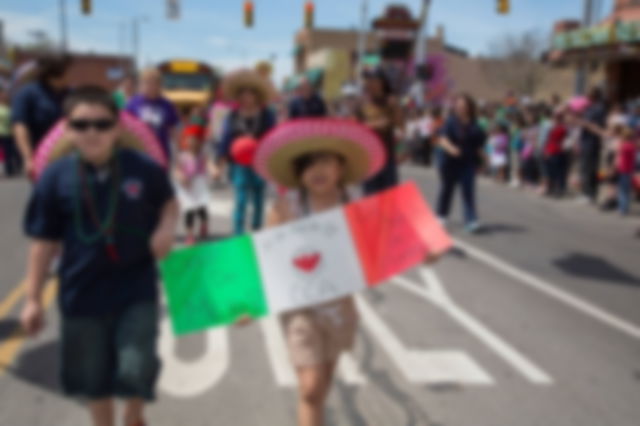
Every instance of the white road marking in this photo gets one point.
(350, 372)
(436, 294)
(189, 379)
(278, 354)
(551, 290)
(431, 367)
(283, 371)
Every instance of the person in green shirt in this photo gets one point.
(125, 91)
(12, 162)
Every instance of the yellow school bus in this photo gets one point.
(187, 83)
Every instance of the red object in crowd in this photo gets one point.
(191, 131)
(243, 150)
(556, 138)
(626, 158)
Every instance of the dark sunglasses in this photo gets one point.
(101, 125)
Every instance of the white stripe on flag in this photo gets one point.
(308, 262)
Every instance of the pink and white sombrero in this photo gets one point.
(361, 148)
(135, 135)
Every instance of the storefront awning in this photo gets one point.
(602, 35)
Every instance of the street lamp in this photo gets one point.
(362, 40)
(135, 37)
(421, 53)
(62, 6)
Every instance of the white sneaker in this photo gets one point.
(473, 227)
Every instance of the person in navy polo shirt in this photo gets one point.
(113, 210)
(308, 103)
(38, 106)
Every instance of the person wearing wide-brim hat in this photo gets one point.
(241, 80)
(317, 159)
(249, 121)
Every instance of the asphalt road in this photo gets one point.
(534, 322)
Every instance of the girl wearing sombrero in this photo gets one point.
(316, 159)
(243, 127)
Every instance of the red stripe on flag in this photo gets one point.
(394, 231)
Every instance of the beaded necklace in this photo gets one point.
(85, 192)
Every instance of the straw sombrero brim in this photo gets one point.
(65, 146)
(362, 150)
(234, 82)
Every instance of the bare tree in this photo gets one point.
(515, 62)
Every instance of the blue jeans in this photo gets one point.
(249, 187)
(453, 173)
(625, 189)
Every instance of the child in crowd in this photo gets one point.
(626, 151)
(317, 160)
(191, 176)
(555, 162)
(530, 169)
(499, 152)
(114, 213)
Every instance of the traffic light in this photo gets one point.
(248, 13)
(86, 6)
(504, 7)
(309, 9)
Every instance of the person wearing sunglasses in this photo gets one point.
(114, 212)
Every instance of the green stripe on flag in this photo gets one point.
(213, 284)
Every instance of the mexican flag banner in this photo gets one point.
(310, 261)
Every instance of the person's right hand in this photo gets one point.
(454, 151)
(30, 168)
(32, 318)
(243, 321)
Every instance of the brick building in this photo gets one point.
(611, 48)
(87, 68)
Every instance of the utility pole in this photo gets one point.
(581, 74)
(421, 51)
(62, 6)
(135, 38)
(362, 40)
(135, 42)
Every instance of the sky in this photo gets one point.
(213, 31)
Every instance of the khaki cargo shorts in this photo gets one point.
(318, 335)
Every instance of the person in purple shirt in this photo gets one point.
(154, 109)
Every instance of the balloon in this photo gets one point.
(579, 103)
(243, 150)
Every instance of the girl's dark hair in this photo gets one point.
(52, 67)
(302, 163)
(471, 105)
(93, 95)
(380, 74)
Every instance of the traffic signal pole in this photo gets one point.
(62, 5)
(581, 73)
(362, 40)
(421, 53)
